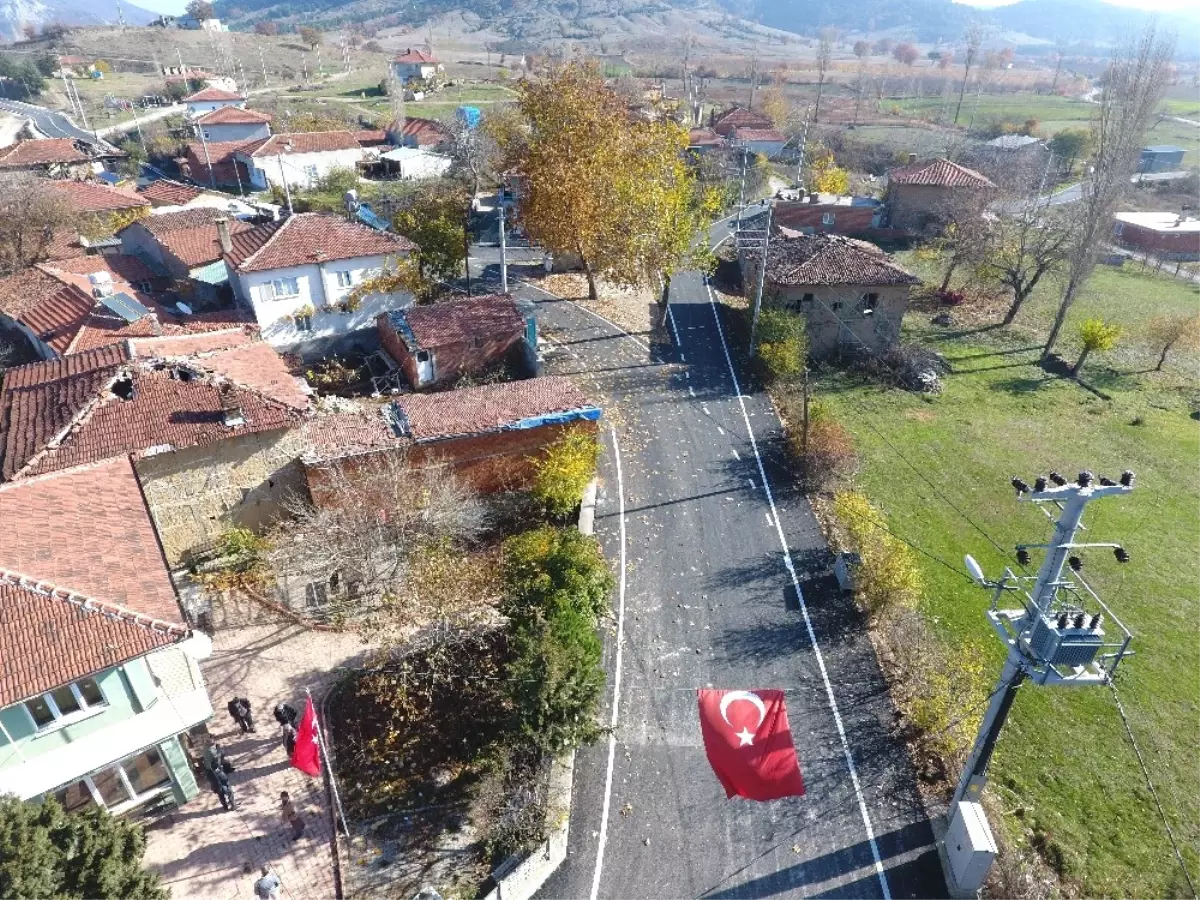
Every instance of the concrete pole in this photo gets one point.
(503, 249)
(263, 62)
(762, 275)
(287, 191)
(974, 776)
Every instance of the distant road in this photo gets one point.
(130, 124)
(49, 122)
(1074, 193)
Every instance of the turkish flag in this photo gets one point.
(749, 744)
(307, 755)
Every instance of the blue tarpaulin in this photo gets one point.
(583, 414)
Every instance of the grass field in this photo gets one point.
(1064, 772)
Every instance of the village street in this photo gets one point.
(709, 601)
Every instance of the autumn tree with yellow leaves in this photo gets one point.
(610, 190)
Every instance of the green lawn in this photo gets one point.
(1064, 769)
(1013, 107)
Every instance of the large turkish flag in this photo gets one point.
(307, 755)
(749, 744)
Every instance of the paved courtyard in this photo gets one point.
(201, 850)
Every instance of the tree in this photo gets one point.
(30, 214)
(1024, 250)
(775, 106)
(1071, 144)
(782, 344)
(550, 567)
(616, 193)
(200, 10)
(883, 46)
(266, 27)
(906, 54)
(961, 241)
(826, 40)
(862, 49)
(946, 60)
(435, 219)
(48, 852)
(1133, 87)
(1172, 332)
(824, 174)
(974, 39)
(1097, 336)
(29, 31)
(311, 36)
(564, 469)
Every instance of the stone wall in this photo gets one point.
(836, 316)
(197, 493)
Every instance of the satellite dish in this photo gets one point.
(183, 308)
(974, 570)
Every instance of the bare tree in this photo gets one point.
(1060, 53)
(372, 536)
(974, 39)
(1167, 332)
(825, 44)
(1023, 251)
(1133, 86)
(30, 214)
(862, 50)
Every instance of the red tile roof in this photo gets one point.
(416, 56)
(232, 115)
(303, 142)
(181, 220)
(70, 607)
(704, 137)
(87, 196)
(829, 259)
(51, 309)
(758, 134)
(226, 170)
(174, 345)
(375, 137)
(63, 413)
(486, 408)
(335, 435)
(256, 365)
(50, 151)
(170, 193)
(459, 321)
(190, 234)
(314, 237)
(939, 173)
(740, 117)
(422, 132)
(211, 94)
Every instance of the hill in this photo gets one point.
(15, 14)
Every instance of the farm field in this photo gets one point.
(1065, 775)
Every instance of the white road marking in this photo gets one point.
(736, 455)
(770, 521)
(720, 429)
(674, 330)
(616, 701)
(753, 486)
(691, 391)
(812, 636)
(594, 315)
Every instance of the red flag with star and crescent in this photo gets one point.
(307, 755)
(749, 744)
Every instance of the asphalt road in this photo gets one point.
(49, 122)
(709, 601)
(1074, 193)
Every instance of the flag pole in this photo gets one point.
(337, 800)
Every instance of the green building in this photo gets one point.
(98, 670)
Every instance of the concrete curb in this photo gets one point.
(522, 875)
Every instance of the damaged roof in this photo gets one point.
(457, 321)
(828, 259)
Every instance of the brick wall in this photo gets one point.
(489, 463)
(1165, 244)
(450, 361)
(197, 493)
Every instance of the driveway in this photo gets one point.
(695, 502)
(202, 851)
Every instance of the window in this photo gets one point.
(835, 305)
(807, 298)
(311, 173)
(477, 343)
(119, 787)
(344, 279)
(303, 323)
(423, 356)
(144, 287)
(64, 704)
(285, 287)
(828, 218)
(74, 796)
(146, 771)
(316, 595)
(868, 303)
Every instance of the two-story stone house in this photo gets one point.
(99, 683)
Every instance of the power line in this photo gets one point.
(1150, 784)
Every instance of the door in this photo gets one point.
(424, 366)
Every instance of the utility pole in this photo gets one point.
(762, 276)
(503, 249)
(212, 178)
(287, 191)
(120, 15)
(179, 56)
(1056, 638)
(263, 62)
(67, 90)
(803, 151)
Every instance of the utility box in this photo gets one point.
(970, 847)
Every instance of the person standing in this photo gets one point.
(215, 758)
(267, 887)
(239, 709)
(289, 739)
(290, 816)
(285, 714)
(220, 782)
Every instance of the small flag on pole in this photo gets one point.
(749, 744)
(307, 755)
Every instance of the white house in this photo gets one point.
(411, 163)
(234, 123)
(297, 274)
(101, 684)
(299, 159)
(210, 98)
(416, 64)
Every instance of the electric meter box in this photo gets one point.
(970, 847)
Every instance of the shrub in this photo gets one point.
(549, 568)
(950, 298)
(564, 470)
(782, 344)
(888, 574)
(828, 457)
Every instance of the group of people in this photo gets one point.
(285, 714)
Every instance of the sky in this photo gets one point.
(169, 7)
(1157, 5)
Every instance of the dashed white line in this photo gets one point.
(812, 635)
(736, 455)
(616, 701)
(720, 429)
(691, 391)
(770, 521)
(753, 486)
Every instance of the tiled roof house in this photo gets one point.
(99, 676)
(925, 196)
(50, 154)
(738, 117)
(301, 158)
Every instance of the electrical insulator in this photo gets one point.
(1127, 478)
(1062, 621)
(1095, 623)
(1121, 554)
(1057, 479)
(1107, 482)
(1021, 486)
(1085, 478)
(1078, 623)
(1039, 483)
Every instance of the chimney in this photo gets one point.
(231, 412)
(223, 235)
(912, 158)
